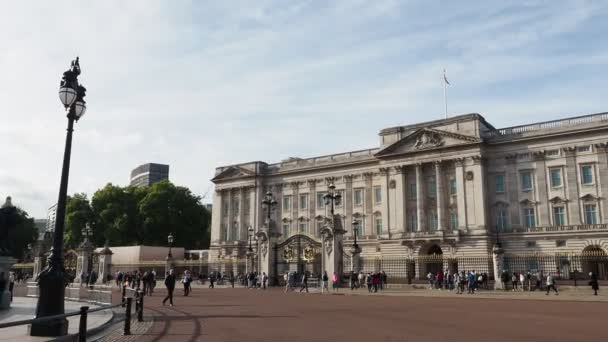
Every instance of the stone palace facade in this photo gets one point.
(451, 187)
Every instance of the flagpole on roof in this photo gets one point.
(445, 93)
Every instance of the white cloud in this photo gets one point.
(201, 85)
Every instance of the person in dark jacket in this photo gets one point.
(170, 284)
(595, 286)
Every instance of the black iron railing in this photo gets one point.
(84, 311)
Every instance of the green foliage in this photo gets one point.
(140, 215)
(78, 214)
(23, 233)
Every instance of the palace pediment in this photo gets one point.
(232, 172)
(426, 139)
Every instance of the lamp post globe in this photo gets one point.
(53, 279)
(170, 241)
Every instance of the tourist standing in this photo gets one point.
(211, 280)
(170, 285)
(522, 281)
(286, 279)
(551, 284)
(514, 280)
(264, 280)
(376, 281)
(472, 282)
(187, 280)
(11, 283)
(595, 286)
(231, 279)
(353, 280)
(324, 280)
(334, 280)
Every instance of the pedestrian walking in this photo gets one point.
(472, 282)
(335, 281)
(231, 279)
(522, 281)
(286, 279)
(353, 281)
(211, 280)
(304, 285)
(170, 285)
(595, 286)
(187, 280)
(264, 280)
(11, 284)
(324, 281)
(551, 284)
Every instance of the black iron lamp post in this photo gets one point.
(250, 248)
(53, 279)
(332, 198)
(355, 231)
(269, 202)
(170, 241)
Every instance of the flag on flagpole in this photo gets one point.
(445, 78)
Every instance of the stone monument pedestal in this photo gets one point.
(332, 248)
(6, 263)
(498, 260)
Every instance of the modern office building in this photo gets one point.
(50, 218)
(148, 174)
(451, 189)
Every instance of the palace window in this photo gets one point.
(501, 219)
(552, 153)
(339, 204)
(560, 243)
(499, 183)
(359, 227)
(453, 220)
(432, 220)
(559, 216)
(303, 201)
(531, 244)
(590, 214)
(412, 222)
(377, 194)
(378, 223)
(412, 191)
(529, 218)
(586, 148)
(358, 197)
(556, 177)
(432, 187)
(286, 203)
(586, 174)
(320, 200)
(453, 188)
(285, 230)
(526, 181)
(303, 227)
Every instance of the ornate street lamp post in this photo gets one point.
(250, 249)
(332, 198)
(53, 279)
(355, 249)
(170, 241)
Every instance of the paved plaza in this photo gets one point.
(225, 314)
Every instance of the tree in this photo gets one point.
(172, 209)
(78, 214)
(22, 233)
(110, 209)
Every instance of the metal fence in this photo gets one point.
(408, 269)
(199, 267)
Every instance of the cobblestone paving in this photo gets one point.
(137, 329)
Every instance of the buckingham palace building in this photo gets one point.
(434, 195)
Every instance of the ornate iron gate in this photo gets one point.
(299, 253)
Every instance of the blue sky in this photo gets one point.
(201, 84)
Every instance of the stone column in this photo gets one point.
(105, 263)
(216, 217)
(295, 205)
(368, 203)
(462, 192)
(82, 263)
(312, 205)
(511, 185)
(498, 260)
(602, 150)
(229, 228)
(355, 259)
(243, 226)
(572, 184)
(440, 197)
(544, 209)
(387, 206)
(347, 200)
(400, 207)
(420, 212)
(37, 265)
